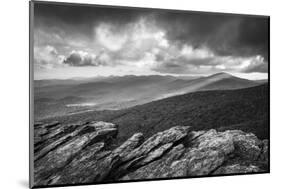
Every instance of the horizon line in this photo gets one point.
(239, 75)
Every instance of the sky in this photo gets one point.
(82, 41)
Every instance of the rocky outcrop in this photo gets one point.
(87, 153)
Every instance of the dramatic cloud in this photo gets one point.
(47, 57)
(256, 65)
(109, 38)
(81, 58)
(224, 34)
(151, 40)
(189, 60)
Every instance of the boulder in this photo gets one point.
(199, 162)
(247, 145)
(169, 136)
(57, 156)
(49, 146)
(93, 164)
(129, 145)
(76, 170)
(160, 168)
(214, 140)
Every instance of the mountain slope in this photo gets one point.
(219, 81)
(244, 109)
(115, 93)
(223, 81)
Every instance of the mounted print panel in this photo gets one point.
(120, 94)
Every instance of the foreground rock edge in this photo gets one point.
(85, 155)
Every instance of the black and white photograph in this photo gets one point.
(123, 94)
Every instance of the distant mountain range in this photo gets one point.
(58, 97)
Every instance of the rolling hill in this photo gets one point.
(59, 97)
(244, 109)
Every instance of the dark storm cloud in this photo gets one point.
(74, 59)
(80, 59)
(82, 19)
(76, 14)
(227, 38)
(223, 33)
(253, 36)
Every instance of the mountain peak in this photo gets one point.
(222, 74)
